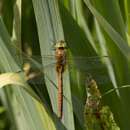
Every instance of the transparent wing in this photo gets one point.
(94, 65)
(79, 59)
(81, 63)
(88, 63)
(38, 63)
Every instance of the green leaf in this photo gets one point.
(115, 36)
(19, 100)
(50, 29)
(117, 47)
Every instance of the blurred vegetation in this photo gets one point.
(4, 121)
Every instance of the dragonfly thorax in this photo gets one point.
(60, 55)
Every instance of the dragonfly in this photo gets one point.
(59, 62)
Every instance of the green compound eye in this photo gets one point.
(60, 44)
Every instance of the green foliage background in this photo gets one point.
(90, 28)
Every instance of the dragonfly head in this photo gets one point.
(60, 44)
